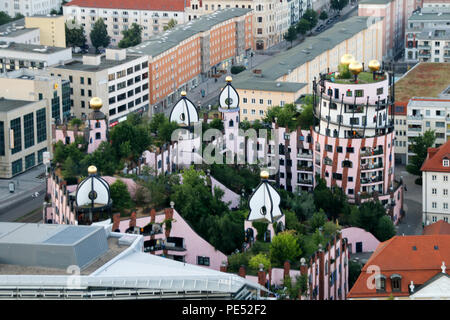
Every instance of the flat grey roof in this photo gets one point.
(282, 63)
(425, 34)
(14, 29)
(104, 64)
(33, 48)
(269, 85)
(430, 17)
(7, 105)
(163, 42)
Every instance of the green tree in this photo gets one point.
(237, 69)
(303, 26)
(120, 196)
(4, 18)
(287, 116)
(323, 15)
(236, 260)
(131, 37)
(385, 229)
(260, 258)
(338, 4)
(284, 246)
(296, 288)
(419, 147)
(306, 117)
(102, 158)
(217, 124)
(370, 213)
(170, 25)
(312, 17)
(99, 35)
(290, 35)
(318, 220)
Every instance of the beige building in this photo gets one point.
(118, 78)
(290, 74)
(24, 135)
(36, 85)
(51, 28)
(271, 18)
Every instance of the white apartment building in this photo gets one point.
(153, 16)
(428, 36)
(429, 114)
(271, 18)
(436, 185)
(401, 138)
(120, 80)
(15, 56)
(29, 7)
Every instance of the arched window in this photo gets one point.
(231, 123)
(380, 283)
(347, 164)
(396, 282)
(231, 136)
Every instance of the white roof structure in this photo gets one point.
(129, 274)
(265, 203)
(228, 98)
(184, 112)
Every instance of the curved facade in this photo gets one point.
(353, 136)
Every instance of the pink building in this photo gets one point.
(327, 272)
(359, 240)
(177, 240)
(94, 130)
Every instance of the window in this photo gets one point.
(2, 138)
(16, 128)
(17, 166)
(82, 80)
(28, 128)
(359, 93)
(89, 81)
(396, 281)
(445, 192)
(203, 261)
(379, 91)
(381, 283)
(350, 149)
(434, 205)
(41, 128)
(433, 177)
(30, 161)
(445, 178)
(434, 191)
(244, 100)
(339, 149)
(347, 164)
(445, 205)
(446, 162)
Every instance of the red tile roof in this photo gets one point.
(434, 159)
(155, 5)
(440, 227)
(397, 256)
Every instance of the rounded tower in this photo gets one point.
(354, 129)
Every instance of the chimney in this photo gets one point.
(262, 276)
(303, 266)
(153, 215)
(287, 268)
(133, 219)
(321, 259)
(242, 271)
(223, 266)
(116, 222)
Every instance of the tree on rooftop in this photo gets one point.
(131, 37)
(303, 26)
(260, 258)
(419, 147)
(284, 246)
(120, 196)
(99, 35)
(385, 229)
(217, 124)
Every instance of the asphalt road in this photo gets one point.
(23, 207)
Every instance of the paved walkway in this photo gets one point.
(411, 224)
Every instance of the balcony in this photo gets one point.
(371, 180)
(415, 117)
(303, 168)
(305, 181)
(415, 129)
(365, 167)
(424, 47)
(447, 55)
(304, 155)
(424, 55)
(371, 153)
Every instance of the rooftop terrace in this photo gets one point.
(363, 78)
(427, 79)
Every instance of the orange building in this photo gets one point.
(182, 57)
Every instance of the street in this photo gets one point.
(412, 222)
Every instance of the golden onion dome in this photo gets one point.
(183, 93)
(355, 67)
(264, 175)
(96, 103)
(374, 65)
(228, 79)
(347, 58)
(92, 170)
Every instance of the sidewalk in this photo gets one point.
(26, 184)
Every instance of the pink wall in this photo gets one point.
(354, 235)
(195, 245)
(93, 130)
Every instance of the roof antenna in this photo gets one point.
(411, 286)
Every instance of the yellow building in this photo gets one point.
(51, 27)
(288, 75)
